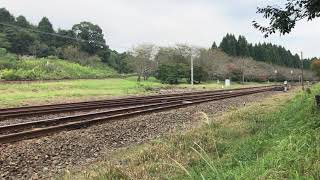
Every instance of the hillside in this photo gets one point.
(50, 69)
(219, 64)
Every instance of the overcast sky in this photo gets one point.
(127, 23)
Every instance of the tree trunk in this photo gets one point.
(242, 77)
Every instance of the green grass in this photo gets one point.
(50, 69)
(71, 90)
(275, 139)
(31, 93)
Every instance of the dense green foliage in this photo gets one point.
(265, 52)
(172, 73)
(49, 69)
(22, 38)
(284, 19)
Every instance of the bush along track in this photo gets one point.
(274, 139)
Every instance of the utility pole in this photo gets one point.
(191, 69)
(276, 76)
(291, 77)
(302, 79)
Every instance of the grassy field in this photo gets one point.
(50, 69)
(18, 94)
(70, 90)
(274, 139)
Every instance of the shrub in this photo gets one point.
(3, 52)
(47, 69)
(171, 73)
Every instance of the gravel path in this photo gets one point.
(48, 156)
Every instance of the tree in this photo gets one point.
(5, 17)
(118, 61)
(20, 41)
(242, 65)
(39, 49)
(200, 74)
(143, 60)
(214, 45)
(105, 56)
(265, 52)
(90, 37)
(45, 26)
(65, 38)
(229, 44)
(172, 73)
(21, 21)
(4, 43)
(242, 47)
(284, 19)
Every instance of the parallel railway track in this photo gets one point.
(33, 129)
(111, 103)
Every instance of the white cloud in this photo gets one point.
(131, 22)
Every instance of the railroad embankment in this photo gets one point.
(277, 138)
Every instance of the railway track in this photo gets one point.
(33, 129)
(111, 103)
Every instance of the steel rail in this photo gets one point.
(126, 98)
(92, 115)
(74, 122)
(60, 108)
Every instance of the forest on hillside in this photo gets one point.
(265, 52)
(85, 44)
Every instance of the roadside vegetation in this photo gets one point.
(274, 139)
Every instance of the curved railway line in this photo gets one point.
(129, 107)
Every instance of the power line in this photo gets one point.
(52, 34)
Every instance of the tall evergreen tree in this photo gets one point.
(46, 26)
(214, 45)
(229, 44)
(5, 17)
(265, 52)
(243, 48)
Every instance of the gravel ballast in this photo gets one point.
(47, 156)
